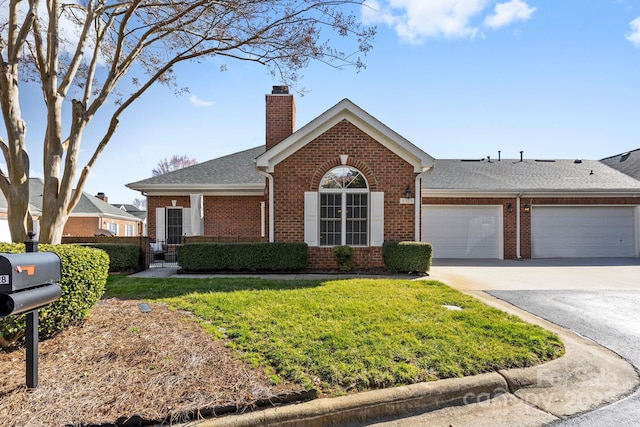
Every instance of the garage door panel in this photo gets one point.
(582, 231)
(463, 231)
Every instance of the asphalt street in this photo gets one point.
(609, 317)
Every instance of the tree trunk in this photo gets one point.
(51, 227)
(19, 218)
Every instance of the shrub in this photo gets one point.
(243, 256)
(122, 257)
(407, 257)
(83, 272)
(344, 257)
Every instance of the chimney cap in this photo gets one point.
(280, 90)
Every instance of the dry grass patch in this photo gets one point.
(121, 363)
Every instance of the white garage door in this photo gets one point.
(463, 231)
(582, 231)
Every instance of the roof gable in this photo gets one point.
(345, 110)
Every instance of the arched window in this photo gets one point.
(344, 208)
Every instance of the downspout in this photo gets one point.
(271, 221)
(418, 201)
(518, 225)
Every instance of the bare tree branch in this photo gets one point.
(81, 53)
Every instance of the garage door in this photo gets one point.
(582, 231)
(463, 231)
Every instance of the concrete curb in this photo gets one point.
(372, 405)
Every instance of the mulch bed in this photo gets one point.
(125, 367)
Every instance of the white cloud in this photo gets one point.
(634, 35)
(507, 13)
(418, 20)
(199, 102)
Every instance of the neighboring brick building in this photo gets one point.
(346, 178)
(92, 216)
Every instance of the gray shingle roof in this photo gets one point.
(88, 204)
(528, 175)
(233, 169)
(628, 163)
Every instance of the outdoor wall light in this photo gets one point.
(408, 193)
(527, 208)
(509, 208)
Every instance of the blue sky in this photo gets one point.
(458, 78)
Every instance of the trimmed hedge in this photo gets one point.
(243, 256)
(122, 257)
(84, 272)
(407, 257)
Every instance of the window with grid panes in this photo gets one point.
(344, 208)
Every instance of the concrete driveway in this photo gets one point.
(539, 274)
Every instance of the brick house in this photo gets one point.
(92, 216)
(345, 178)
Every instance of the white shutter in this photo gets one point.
(160, 225)
(197, 214)
(377, 218)
(186, 222)
(311, 218)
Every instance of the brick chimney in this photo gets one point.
(281, 115)
(102, 197)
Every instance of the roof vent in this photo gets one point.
(625, 156)
(577, 161)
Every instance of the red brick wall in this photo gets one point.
(224, 216)
(303, 171)
(81, 226)
(322, 258)
(86, 226)
(509, 218)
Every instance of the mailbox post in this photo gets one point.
(27, 283)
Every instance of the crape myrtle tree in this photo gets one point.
(88, 54)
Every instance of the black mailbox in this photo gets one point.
(27, 281)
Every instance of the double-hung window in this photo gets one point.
(344, 208)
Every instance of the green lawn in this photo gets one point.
(347, 335)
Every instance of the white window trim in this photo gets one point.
(375, 218)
